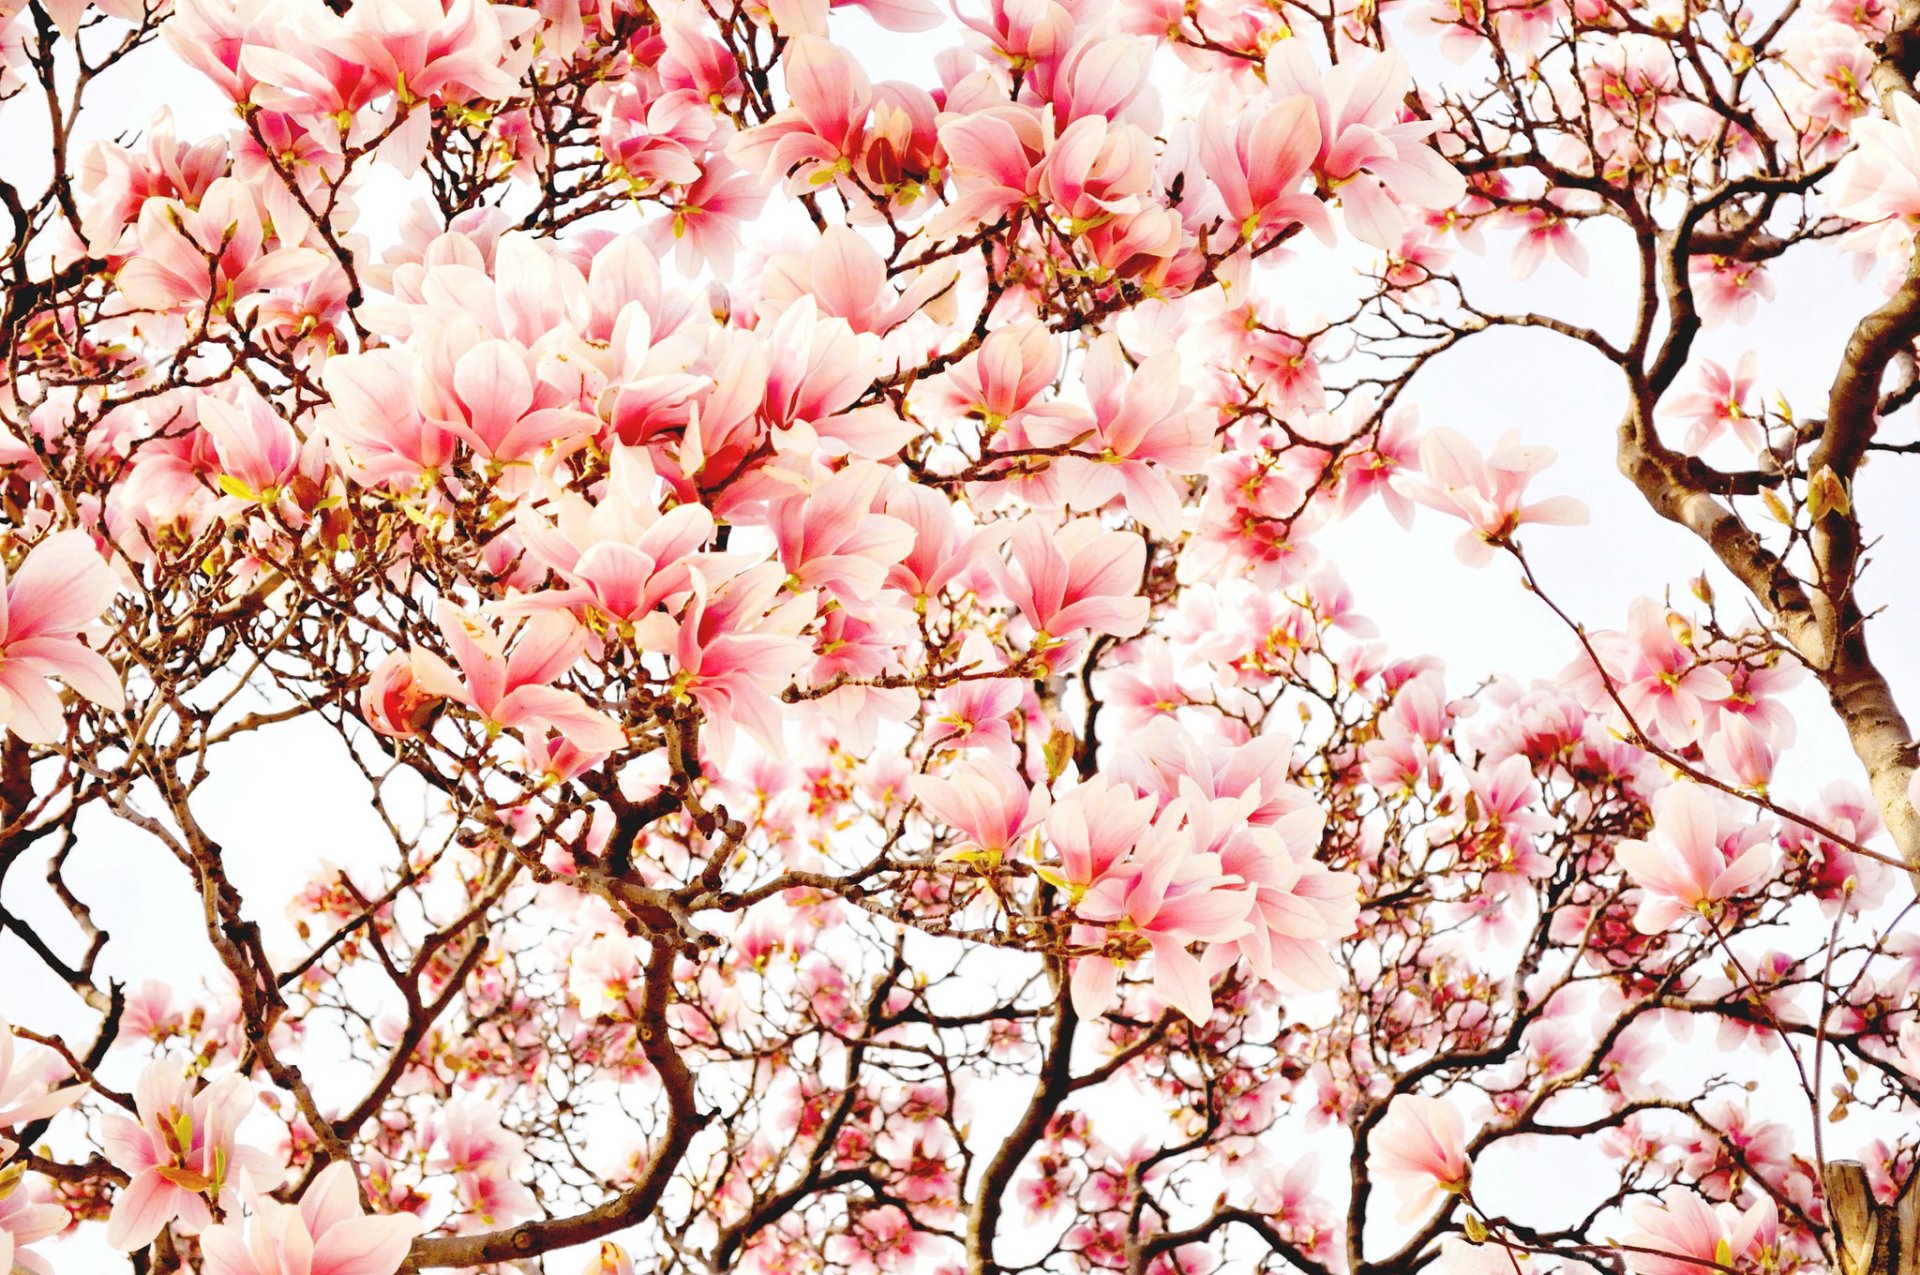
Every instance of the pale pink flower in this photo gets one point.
(1880, 178)
(214, 254)
(27, 1077)
(737, 647)
(1682, 866)
(1698, 1236)
(180, 1154)
(1260, 164)
(327, 1234)
(1488, 492)
(1375, 160)
(987, 801)
(1420, 1146)
(1722, 402)
(57, 594)
(1079, 577)
(26, 1218)
(374, 425)
(977, 714)
(1004, 376)
(942, 554)
(1544, 230)
(486, 396)
(1728, 289)
(994, 157)
(831, 539)
(1664, 684)
(516, 690)
(393, 701)
(818, 138)
(1172, 895)
(1093, 828)
(484, 1157)
(258, 450)
(847, 279)
(1148, 432)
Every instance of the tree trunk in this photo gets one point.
(1872, 1238)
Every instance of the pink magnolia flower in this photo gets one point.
(1072, 579)
(1370, 472)
(1544, 230)
(977, 714)
(327, 1234)
(847, 279)
(1299, 905)
(624, 563)
(941, 554)
(819, 137)
(1258, 165)
(1662, 682)
(1682, 866)
(394, 702)
(1172, 895)
(180, 1153)
(1686, 1235)
(25, 1220)
(26, 1080)
(487, 396)
(1376, 162)
(737, 647)
(1488, 492)
(1722, 403)
(1880, 177)
(116, 182)
(1725, 288)
(1147, 431)
(516, 690)
(484, 1157)
(1420, 1146)
(375, 427)
(987, 801)
(214, 254)
(56, 595)
(1092, 829)
(446, 50)
(1095, 170)
(258, 450)
(995, 159)
(831, 539)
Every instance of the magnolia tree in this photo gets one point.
(811, 580)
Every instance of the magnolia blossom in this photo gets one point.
(25, 1220)
(1722, 404)
(27, 1077)
(1682, 866)
(327, 1234)
(55, 596)
(1420, 1146)
(514, 690)
(815, 582)
(1683, 1234)
(1880, 177)
(1488, 492)
(181, 1153)
(987, 801)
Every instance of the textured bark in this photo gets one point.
(1872, 1238)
